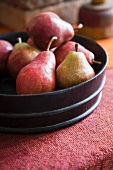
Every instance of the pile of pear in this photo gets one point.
(49, 60)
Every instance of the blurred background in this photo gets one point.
(16, 14)
(95, 15)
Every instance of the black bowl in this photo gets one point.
(52, 110)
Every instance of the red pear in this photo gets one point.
(30, 42)
(5, 50)
(44, 26)
(38, 76)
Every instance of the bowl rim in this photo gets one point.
(57, 111)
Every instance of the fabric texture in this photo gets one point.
(87, 145)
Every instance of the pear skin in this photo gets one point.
(74, 70)
(38, 76)
(6, 49)
(45, 25)
(21, 55)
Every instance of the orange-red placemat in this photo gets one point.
(87, 145)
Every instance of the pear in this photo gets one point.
(5, 50)
(39, 75)
(74, 70)
(61, 52)
(45, 25)
(22, 54)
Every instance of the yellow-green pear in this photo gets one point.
(74, 70)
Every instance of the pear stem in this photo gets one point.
(97, 62)
(76, 47)
(77, 27)
(19, 39)
(52, 39)
(93, 61)
(80, 26)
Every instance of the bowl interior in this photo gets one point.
(53, 110)
(7, 84)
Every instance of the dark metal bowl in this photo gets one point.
(52, 110)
